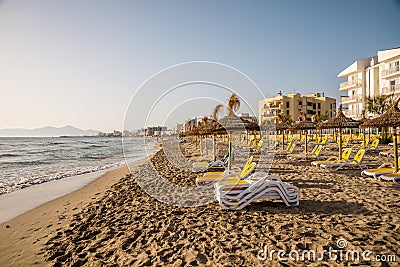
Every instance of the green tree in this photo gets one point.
(323, 117)
(286, 118)
(378, 104)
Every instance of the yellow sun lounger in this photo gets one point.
(345, 156)
(219, 173)
(394, 177)
(207, 180)
(313, 155)
(201, 166)
(374, 145)
(383, 169)
(356, 162)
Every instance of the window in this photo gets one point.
(287, 112)
(319, 105)
(265, 106)
(314, 106)
(300, 103)
(287, 104)
(309, 104)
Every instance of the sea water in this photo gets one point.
(35, 160)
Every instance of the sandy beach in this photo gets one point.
(23, 238)
(112, 222)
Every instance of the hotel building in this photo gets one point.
(377, 75)
(292, 104)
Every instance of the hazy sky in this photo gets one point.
(80, 62)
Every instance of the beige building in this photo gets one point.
(377, 75)
(292, 104)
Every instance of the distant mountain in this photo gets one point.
(48, 131)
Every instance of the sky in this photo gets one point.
(99, 64)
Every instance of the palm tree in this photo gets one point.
(233, 104)
(320, 117)
(285, 118)
(216, 112)
(378, 105)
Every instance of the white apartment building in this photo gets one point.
(377, 75)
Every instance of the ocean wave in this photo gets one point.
(40, 162)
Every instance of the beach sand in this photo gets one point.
(112, 222)
(22, 238)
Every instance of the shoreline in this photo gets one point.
(23, 200)
(23, 236)
(15, 203)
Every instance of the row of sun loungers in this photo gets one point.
(235, 189)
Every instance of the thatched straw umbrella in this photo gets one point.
(282, 126)
(304, 125)
(232, 123)
(213, 127)
(194, 132)
(365, 121)
(390, 118)
(339, 122)
(267, 126)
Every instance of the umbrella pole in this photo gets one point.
(206, 145)
(230, 153)
(340, 144)
(214, 148)
(283, 139)
(306, 140)
(396, 164)
(364, 136)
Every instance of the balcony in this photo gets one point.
(274, 106)
(392, 89)
(352, 98)
(350, 84)
(390, 72)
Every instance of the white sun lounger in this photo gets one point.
(259, 186)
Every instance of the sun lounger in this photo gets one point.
(302, 157)
(386, 153)
(289, 151)
(374, 145)
(383, 169)
(345, 156)
(390, 176)
(259, 186)
(208, 179)
(201, 166)
(356, 162)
